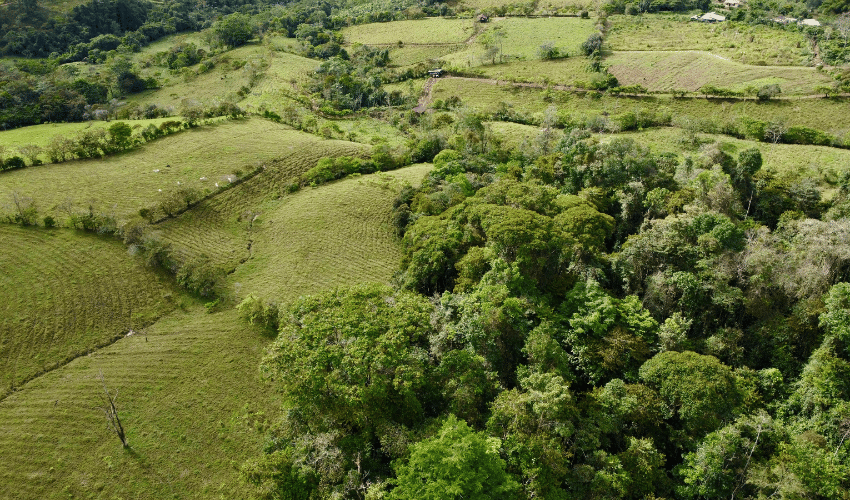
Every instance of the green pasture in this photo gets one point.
(222, 227)
(338, 233)
(121, 184)
(189, 399)
(40, 135)
(483, 95)
(524, 36)
(519, 7)
(433, 30)
(567, 72)
(64, 293)
(513, 135)
(409, 55)
(748, 44)
(678, 70)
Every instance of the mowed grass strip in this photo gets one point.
(221, 227)
(434, 30)
(747, 44)
(189, 399)
(665, 71)
(339, 233)
(62, 293)
(122, 184)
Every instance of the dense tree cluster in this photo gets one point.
(580, 320)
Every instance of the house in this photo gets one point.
(711, 17)
(483, 18)
(435, 73)
(732, 4)
(785, 20)
(809, 22)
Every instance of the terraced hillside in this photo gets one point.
(63, 294)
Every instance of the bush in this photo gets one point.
(258, 312)
(329, 169)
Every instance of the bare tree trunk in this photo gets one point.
(111, 411)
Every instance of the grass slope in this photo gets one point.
(189, 399)
(665, 71)
(756, 44)
(63, 293)
(221, 227)
(432, 30)
(122, 184)
(340, 233)
(40, 135)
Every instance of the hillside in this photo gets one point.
(604, 252)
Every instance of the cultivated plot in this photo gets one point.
(690, 70)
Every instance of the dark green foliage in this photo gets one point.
(329, 169)
(768, 92)
(458, 463)
(592, 45)
(234, 30)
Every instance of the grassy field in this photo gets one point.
(222, 227)
(539, 7)
(319, 238)
(63, 293)
(409, 55)
(122, 184)
(665, 71)
(485, 96)
(189, 399)
(559, 72)
(513, 134)
(756, 44)
(524, 36)
(40, 135)
(433, 30)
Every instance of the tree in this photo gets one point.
(592, 45)
(775, 131)
(234, 30)
(699, 389)
(110, 411)
(31, 152)
(457, 463)
(767, 92)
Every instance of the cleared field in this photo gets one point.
(483, 95)
(40, 135)
(122, 184)
(432, 30)
(222, 227)
(339, 233)
(64, 293)
(524, 36)
(747, 44)
(517, 7)
(821, 163)
(664, 71)
(189, 399)
(414, 54)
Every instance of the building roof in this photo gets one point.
(810, 22)
(712, 17)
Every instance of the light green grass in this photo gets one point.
(189, 399)
(339, 233)
(63, 293)
(40, 135)
(747, 44)
(513, 135)
(517, 7)
(222, 227)
(122, 184)
(665, 71)
(559, 72)
(433, 30)
(409, 55)
(821, 163)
